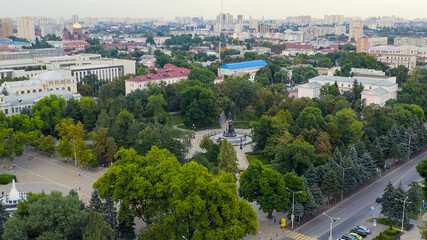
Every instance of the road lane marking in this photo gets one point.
(299, 236)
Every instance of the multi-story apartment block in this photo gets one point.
(6, 27)
(356, 30)
(334, 19)
(364, 44)
(26, 28)
(419, 42)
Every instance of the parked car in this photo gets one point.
(379, 199)
(359, 231)
(355, 235)
(367, 230)
(348, 237)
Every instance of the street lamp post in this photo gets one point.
(409, 143)
(332, 220)
(75, 154)
(241, 142)
(14, 168)
(293, 205)
(342, 187)
(403, 213)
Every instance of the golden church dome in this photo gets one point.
(77, 25)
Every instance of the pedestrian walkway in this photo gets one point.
(299, 236)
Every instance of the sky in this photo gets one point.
(270, 9)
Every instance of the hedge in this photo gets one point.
(6, 178)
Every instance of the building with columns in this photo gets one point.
(77, 66)
(376, 89)
(48, 81)
(15, 104)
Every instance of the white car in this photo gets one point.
(367, 230)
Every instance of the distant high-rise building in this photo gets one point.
(253, 24)
(26, 28)
(74, 18)
(90, 22)
(263, 28)
(6, 27)
(334, 19)
(356, 30)
(240, 19)
(303, 20)
(224, 19)
(47, 26)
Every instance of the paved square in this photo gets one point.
(45, 173)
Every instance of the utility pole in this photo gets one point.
(293, 205)
(403, 213)
(332, 220)
(342, 187)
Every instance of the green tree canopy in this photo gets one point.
(265, 186)
(49, 215)
(163, 193)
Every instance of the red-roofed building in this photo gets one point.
(168, 74)
(79, 46)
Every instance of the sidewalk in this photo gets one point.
(415, 233)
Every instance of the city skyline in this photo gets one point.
(169, 9)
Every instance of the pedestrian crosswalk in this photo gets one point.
(299, 236)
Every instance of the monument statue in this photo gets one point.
(230, 132)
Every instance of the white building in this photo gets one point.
(376, 90)
(399, 55)
(14, 104)
(77, 66)
(48, 81)
(241, 68)
(169, 74)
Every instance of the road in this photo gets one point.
(355, 210)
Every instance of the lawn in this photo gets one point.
(388, 222)
(241, 124)
(203, 126)
(177, 119)
(388, 234)
(253, 157)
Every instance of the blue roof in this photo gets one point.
(233, 66)
(13, 42)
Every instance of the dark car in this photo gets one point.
(360, 231)
(379, 199)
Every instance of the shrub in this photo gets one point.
(6, 178)
(391, 231)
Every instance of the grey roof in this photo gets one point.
(371, 81)
(24, 83)
(31, 98)
(379, 90)
(312, 85)
(52, 76)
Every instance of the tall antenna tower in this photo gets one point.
(220, 30)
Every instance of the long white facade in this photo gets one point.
(376, 90)
(77, 66)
